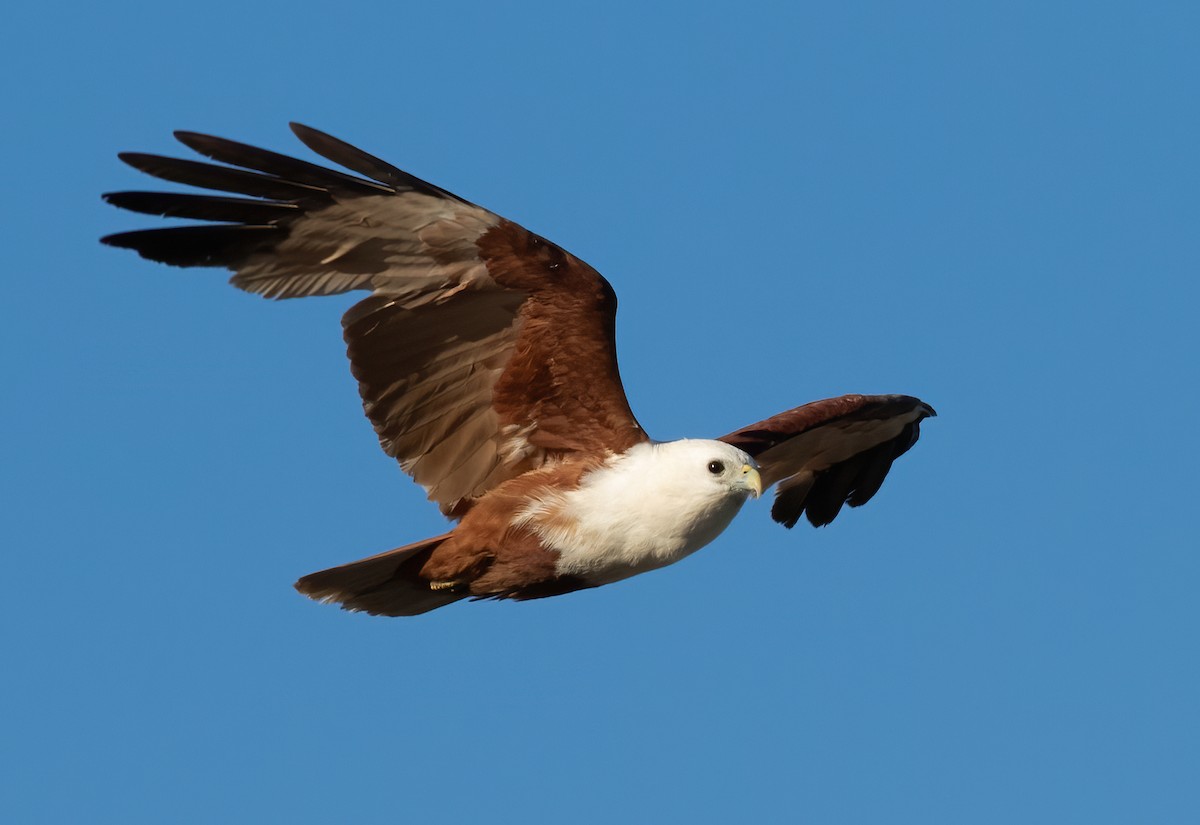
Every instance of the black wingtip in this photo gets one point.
(219, 245)
(131, 158)
(206, 145)
(356, 160)
(122, 240)
(300, 130)
(911, 400)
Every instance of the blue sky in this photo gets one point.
(990, 206)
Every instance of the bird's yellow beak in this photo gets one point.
(750, 480)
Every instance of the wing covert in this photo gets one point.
(829, 453)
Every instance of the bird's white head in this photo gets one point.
(648, 507)
(705, 468)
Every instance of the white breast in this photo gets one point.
(645, 509)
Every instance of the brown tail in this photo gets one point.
(388, 584)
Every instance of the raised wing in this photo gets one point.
(832, 452)
(484, 350)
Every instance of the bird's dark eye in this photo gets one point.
(716, 467)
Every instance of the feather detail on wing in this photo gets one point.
(484, 350)
(830, 453)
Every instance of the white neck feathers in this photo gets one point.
(646, 508)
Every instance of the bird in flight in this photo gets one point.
(486, 360)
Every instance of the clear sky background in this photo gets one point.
(993, 206)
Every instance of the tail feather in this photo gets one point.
(388, 584)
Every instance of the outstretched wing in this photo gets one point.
(832, 452)
(483, 351)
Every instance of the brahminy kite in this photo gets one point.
(486, 360)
